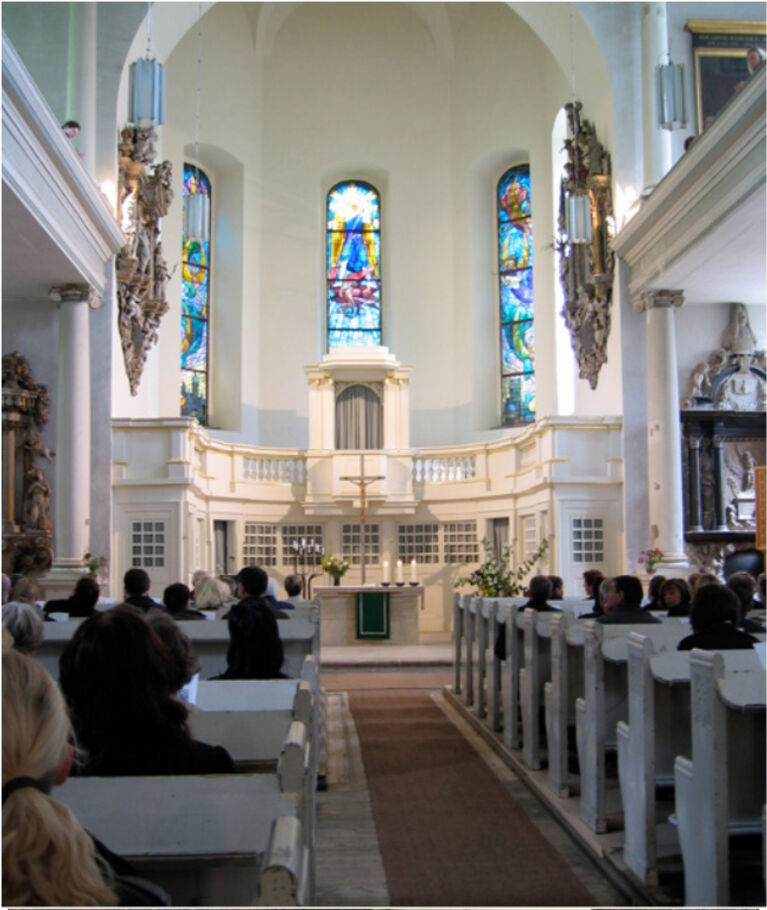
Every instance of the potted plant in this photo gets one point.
(495, 577)
(650, 558)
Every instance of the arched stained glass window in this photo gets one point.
(353, 264)
(195, 294)
(515, 270)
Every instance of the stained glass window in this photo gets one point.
(195, 292)
(353, 264)
(515, 270)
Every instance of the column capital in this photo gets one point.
(75, 293)
(654, 299)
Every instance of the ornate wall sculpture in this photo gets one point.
(142, 272)
(723, 419)
(586, 269)
(27, 538)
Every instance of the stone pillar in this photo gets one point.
(657, 141)
(71, 529)
(720, 484)
(695, 511)
(81, 78)
(664, 441)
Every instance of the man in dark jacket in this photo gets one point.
(136, 584)
(624, 602)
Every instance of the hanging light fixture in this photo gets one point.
(578, 202)
(671, 106)
(197, 203)
(146, 99)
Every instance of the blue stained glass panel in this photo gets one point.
(518, 399)
(195, 181)
(194, 394)
(353, 265)
(514, 196)
(517, 295)
(515, 246)
(345, 337)
(195, 260)
(194, 343)
(518, 347)
(194, 299)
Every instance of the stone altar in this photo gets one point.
(337, 613)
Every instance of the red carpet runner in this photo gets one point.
(450, 835)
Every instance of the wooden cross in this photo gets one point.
(362, 482)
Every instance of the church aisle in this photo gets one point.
(420, 813)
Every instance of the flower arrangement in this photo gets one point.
(494, 578)
(650, 557)
(94, 564)
(336, 566)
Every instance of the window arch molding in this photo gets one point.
(353, 288)
(514, 237)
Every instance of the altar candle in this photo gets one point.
(413, 572)
(400, 579)
(386, 574)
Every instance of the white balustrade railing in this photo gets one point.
(267, 469)
(444, 469)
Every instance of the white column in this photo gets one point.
(664, 436)
(657, 141)
(81, 78)
(73, 431)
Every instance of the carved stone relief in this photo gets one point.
(27, 541)
(586, 269)
(142, 272)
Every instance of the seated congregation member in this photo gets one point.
(675, 596)
(182, 662)
(177, 599)
(539, 592)
(557, 587)
(82, 601)
(115, 676)
(743, 586)
(623, 603)
(24, 623)
(592, 578)
(271, 597)
(713, 618)
(653, 593)
(136, 585)
(699, 579)
(48, 858)
(26, 590)
(255, 649)
(294, 588)
(211, 594)
(252, 583)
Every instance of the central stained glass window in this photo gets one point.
(195, 293)
(353, 264)
(515, 270)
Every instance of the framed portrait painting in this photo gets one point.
(722, 63)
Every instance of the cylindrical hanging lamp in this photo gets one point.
(578, 216)
(671, 106)
(146, 101)
(197, 215)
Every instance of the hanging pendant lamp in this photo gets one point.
(671, 106)
(146, 98)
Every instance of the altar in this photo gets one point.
(383, 614)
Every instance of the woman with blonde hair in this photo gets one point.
(210, 594)
(48, 859)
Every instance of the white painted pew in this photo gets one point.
(605, 702)
(458, 641)
(560, 695)
(469, 628)
(536, 630)
(512, 735)
(721, 791)
(658, 730)
(203, 838)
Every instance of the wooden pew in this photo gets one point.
(203, 838)
(605, 702)
(721, 791)
(658, 730)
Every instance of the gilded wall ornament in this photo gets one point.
(586, 269)
(142, 272)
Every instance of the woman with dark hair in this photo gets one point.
(653, 593)
(178, 602)
(82, 601)
(115, 675)
(675, 596)
(713, 616)
(182, 661)
(592, 578)
(255, 649)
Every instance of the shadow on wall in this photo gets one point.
(280, 429)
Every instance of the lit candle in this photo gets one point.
(413, 572)
(386, 574)
(400, 579)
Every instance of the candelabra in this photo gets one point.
(306, 553)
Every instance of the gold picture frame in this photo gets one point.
(719, 55)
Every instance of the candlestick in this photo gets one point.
(400, 579)
(413, 572)
(386, 573)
